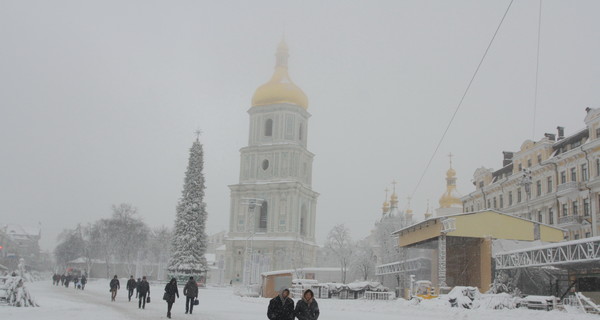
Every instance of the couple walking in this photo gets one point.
(282, 307)
(190, 291)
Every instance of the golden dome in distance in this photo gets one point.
(280, 89)
(450, 198)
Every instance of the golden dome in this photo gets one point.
(280, 89)
(450, 198)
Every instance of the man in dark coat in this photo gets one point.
(83, 281)
(62, 279)
(281, 307)
(307, 308)
(143, 290)
(190, 291)
(114, 286)
(171, 291)
(131, 285)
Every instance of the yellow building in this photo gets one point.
(461, 245)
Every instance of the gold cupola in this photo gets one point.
(386, 205)
(280, 89)
(450, 198)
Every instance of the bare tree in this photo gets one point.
(340, 244)
(363, 260)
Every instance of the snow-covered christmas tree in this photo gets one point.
(189, 237)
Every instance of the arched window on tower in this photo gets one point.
(269, 128)
(262, 219)
(303, 217)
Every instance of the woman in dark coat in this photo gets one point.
(307, 308)
(281, 307)
(171, 291)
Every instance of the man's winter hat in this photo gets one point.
(191, 278)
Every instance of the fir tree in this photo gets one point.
(189, 237)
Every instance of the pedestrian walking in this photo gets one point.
(75, 282)
(307, 308)
(190, 291)
(131, 285)
(114, 286)
(68, 280)
(62, 279)
(171, 291)
(83, 281)
(137, 286)
(143, 290)
(281, 307)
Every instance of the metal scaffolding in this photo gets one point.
(569, 252)
(400, 267)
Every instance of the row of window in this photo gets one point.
(268, 132)
(263, 219)
(576, 210)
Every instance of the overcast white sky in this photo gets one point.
(99, 100)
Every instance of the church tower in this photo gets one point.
(273, 207)
(450, 201)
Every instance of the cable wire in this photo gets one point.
(462, 99)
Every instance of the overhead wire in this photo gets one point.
(462, 98)
(537, 70)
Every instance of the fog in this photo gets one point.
(99, 101)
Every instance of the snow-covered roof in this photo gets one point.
(19, 230)
(84, 260)
(271, 273)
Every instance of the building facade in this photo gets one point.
(273, 207)
(555, 181)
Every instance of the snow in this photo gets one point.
(59, 303)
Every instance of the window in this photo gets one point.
(262, 221)
(269, 128)
(598, 167)
(575, 208)
(480, 184)
(538, 188)
(549, 184)
(550, 216)
(303, 217)
(520, 167)
(489, 203)
(300, 132)
(265, 164)
(597, 132)
(539, 159)
(528, 163)
(501, 201)
(584, 172)
(495, 203)
(576, 236)
(586, 207)
(565, 209)
(587, 234)
(540, 218)
(563, 177)
(573, 174)
(519, 195)
(510, 198)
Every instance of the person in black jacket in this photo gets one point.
(190, 291)
(83, 282)
(114, 286)
(137, 285)
(131, 285)
(307, 308)
(143, 290)
(171, 291)
(281, 307)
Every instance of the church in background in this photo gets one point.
(273, 207)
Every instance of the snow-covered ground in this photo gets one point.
(59, 303)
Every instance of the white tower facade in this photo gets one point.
(273, 207)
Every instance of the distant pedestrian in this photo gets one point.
(171, 291)
(190, 291)
(62, 279)
(68, 280)
(281, 307)
(307, 308)
(76, 282)
(114, 286)
(137, 287)
(143, 290)
(131, 285)
(83, 282)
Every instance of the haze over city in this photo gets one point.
(100, 101)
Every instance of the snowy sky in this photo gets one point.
(99, 100)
